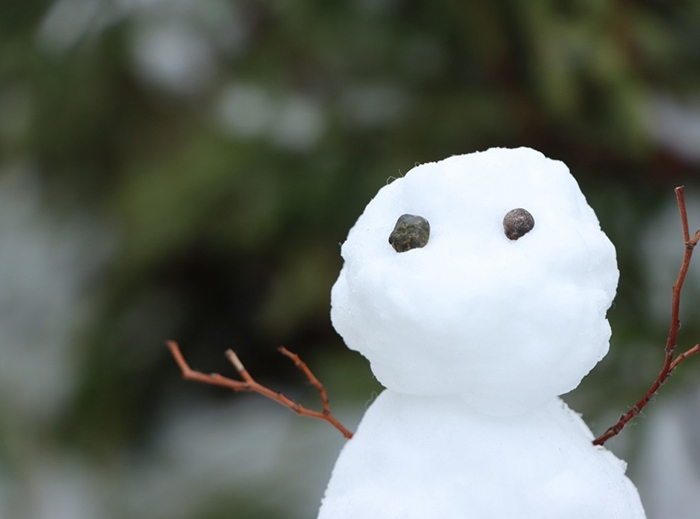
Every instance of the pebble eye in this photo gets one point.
(410, 232)
(517, 223)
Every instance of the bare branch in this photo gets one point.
(682, 356)
(669, 363)
(249, 384)
(314, 381)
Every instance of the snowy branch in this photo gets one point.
(670, 364)
(249, 384)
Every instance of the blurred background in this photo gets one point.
(186, 169)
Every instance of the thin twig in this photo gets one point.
(249, 384)
(682, 356)
(669, 363)
(314, 381)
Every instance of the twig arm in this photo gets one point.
(249, 384)
(314, 381)
(682, 356)
(669, 363)
(213, 379)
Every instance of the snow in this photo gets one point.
(475, 336)
(427, 457)
(505, 324)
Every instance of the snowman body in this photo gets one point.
(475, 331)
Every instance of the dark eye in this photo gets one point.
(517, 223)
(410, 232)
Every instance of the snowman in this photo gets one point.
(477, 287)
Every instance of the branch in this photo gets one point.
(670, 364)
(249, 384)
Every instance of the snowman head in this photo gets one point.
(494, 287)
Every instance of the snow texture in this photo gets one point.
(475, 336)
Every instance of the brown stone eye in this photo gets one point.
(410, 232)
(517, 223)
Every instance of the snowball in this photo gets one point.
(417, 457)
(505, 324)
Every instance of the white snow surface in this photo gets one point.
(474, 336)
(505, 324)
(417, 457)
